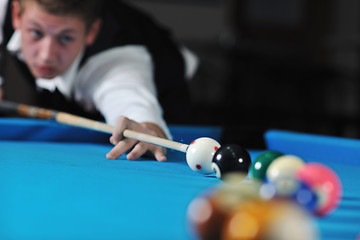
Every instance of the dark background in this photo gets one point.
(285, 64)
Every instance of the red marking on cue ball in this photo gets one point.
(193, 142)
(198, 166)
(216, 148)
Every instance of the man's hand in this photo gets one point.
(123, 144)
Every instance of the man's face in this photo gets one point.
(50, 43)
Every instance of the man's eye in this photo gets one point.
(65, 39)
(36, 33)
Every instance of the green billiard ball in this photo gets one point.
(261, 163)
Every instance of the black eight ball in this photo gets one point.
(231, 159)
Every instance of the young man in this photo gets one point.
(84, 58)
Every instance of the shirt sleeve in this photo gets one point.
(3, 8)
(119, 82)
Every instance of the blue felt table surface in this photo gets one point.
(72, 190)
(55, 183)
(53, 188)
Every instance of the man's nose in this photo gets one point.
(47, 50)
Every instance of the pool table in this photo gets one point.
(55, 183)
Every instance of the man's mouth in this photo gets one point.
(45, 70)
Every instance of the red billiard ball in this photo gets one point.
(325, 182)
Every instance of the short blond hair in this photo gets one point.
(88, 10)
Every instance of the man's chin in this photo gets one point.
(47, 77)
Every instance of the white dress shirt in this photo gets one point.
(116, 82)
(3, 8)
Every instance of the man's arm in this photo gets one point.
(119, 83)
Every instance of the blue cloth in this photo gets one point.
(55, 183)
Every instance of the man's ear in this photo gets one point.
(93, 32)
(16, 14)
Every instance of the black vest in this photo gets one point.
(121, 25)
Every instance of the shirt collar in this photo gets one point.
(14, 44)
(64, 83)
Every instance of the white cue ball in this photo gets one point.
(200, 153)
(281, 173)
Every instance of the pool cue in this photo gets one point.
(73, 120)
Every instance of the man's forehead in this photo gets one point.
(40, 17)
